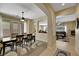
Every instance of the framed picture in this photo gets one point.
(77, 23)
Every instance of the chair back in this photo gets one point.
(25, 35)
(13, 35)
(29, 36)
(19, 38)
(1, 45)
(1, 41)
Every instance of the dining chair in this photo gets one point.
(9, 44)
(25, 36)
(19, 40)
(33, 38)
(1, 46)
(13, 35)
(29, 38)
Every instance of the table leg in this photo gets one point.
(16, 46)
(34, 38)
(0, 50)
(3, 49)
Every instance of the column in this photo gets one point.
(51, 47)
(48, 10)
(51, 27)
(51, 30)
(77, 32)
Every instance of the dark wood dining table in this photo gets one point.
(7, 40)
(12, 40)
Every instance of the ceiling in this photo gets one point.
(31, 11)
(60, 19)
(60, 6)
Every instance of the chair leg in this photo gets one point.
(12, 47)
(22, 45)
(0, 50)
(31, 42)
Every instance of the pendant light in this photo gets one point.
(22, 19)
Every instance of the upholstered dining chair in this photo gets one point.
(19, 40)
(29, 38)
(8, 44)
(13, 35)
(1, 46)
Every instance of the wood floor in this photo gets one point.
(60, 44)
(40, 48)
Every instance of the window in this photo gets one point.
(6, 29)
(25, 27)
(15, 28)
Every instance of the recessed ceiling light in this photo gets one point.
(63, 4)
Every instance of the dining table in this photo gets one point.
(7, 40)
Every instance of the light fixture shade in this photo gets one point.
(22, 19)
(63, 4)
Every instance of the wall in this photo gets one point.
(42, 20)
(70, 26)
(1, 30)
(41, 37)
(30, 26)
(66, 11)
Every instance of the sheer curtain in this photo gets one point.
(15, 28)
(6, 29)
(12, 27)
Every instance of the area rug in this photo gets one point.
(64, 40)
(34, 50)
(60, 52)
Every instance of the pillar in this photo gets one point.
(51, 46)
(51, 28)
(77, 32)
(47, 9)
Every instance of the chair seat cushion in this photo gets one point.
(1, 45)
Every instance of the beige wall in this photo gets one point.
(41, 37)
(66, 11)
(70, 26)
(30, 26)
